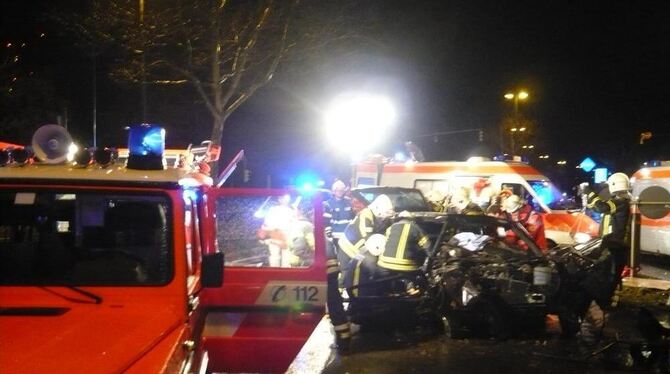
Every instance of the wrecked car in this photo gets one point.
(484, 276)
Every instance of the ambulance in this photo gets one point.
(561, 226)
(109, 267)
(651, 186)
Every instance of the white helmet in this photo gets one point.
(381, 206)
(512, 203)
(338, 185)
(435, 196)
(375, 244)
(618, 182)
(461, 198)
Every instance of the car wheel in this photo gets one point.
(453, 327)
(492, 318)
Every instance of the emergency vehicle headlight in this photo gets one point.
(83, 157)
(146, 145)
(582, 237)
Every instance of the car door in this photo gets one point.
(274, 291)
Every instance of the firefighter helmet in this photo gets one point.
(461, 198)
(436, 200)
(512, 204)
(375, 244)
(435, 196)
(381, 206)
(618, 182)
(338, 186)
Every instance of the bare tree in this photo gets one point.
(225, 49)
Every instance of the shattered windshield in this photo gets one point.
(72, 237)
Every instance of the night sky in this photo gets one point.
(598, 74)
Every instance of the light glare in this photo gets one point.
(356, 122)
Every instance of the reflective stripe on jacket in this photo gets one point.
(406, 246)
(357, 232)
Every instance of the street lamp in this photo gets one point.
(515, 97)
(355, 123)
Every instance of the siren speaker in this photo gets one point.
(51, 143)
(654, 202)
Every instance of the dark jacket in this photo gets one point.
(406, 246)
(337, 214)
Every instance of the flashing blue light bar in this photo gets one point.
(146, 144)
(307, 182)
(399, 157)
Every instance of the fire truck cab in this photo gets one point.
(106, 267)
(561, 226)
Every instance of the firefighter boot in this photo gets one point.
(343, 338)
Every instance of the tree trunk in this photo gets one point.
(216, 136)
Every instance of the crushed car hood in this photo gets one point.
(82, 338)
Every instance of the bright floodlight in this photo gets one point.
(509, 96)
(357, 122)
(523, 95)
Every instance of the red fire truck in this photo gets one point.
(108, 267)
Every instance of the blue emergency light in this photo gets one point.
(146, 144)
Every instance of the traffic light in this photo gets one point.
(247, 175)
(481, 136)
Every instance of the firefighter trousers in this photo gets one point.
(334, 302)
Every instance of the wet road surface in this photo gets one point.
(427, 350)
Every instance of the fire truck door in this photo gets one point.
(275, 279)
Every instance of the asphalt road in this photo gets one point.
(654, 266)
(424, 351)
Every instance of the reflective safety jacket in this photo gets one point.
(337, 214)
(615, 212)
(357, 232)
(406, 246)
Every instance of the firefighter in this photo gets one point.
(337, 212)
(344, 257)
(615, 223)
(614, 230)
(522, 212)
(436, 200)
(405, 248)
(461, 204)
(357, 265)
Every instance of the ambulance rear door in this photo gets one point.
(274, 289)
(651, 186)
